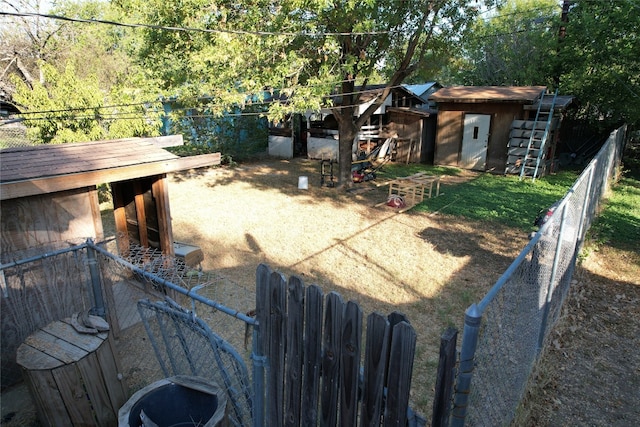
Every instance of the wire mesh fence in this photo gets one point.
(14, 136)
(147, 273)
(45, 284)
(505, 332)
(185, 345)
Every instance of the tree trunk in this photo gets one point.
(348, 133)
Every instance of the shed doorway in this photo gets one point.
(475, 138)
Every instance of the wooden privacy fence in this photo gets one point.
(314, 372)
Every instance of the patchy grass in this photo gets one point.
(491, 198)
(619, 224)
(430, 267)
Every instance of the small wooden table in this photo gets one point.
(73, 378)
(413, 188)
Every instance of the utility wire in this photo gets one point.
(66, 110)
(127, 115)
(192, 29)
(169, 100)
(225, 31)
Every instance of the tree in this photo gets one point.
(587, 48)
(312, 53)
(514, 45)
(361, 40)
(87, 88)
(600, 61)
(24, 43)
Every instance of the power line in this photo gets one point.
(192, 29)
(127, 115)
(67, 110)
(204, 98)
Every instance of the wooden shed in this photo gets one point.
(49, 193)
(406, 115)
(474, 123)
(49, 199)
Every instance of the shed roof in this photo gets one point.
(484, 94)
(562, 102)
(26, 171)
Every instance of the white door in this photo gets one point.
(475, 138)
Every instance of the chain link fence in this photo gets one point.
(45, 284)
(505, 332)
(14, 136)
(503, 336)
(144, 272)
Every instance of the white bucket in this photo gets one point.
(303, 182)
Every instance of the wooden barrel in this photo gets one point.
(73, 378)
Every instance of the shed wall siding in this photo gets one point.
(409, 128)
(450, 128)
(448, 137)
(50, 218)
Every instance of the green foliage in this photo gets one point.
(69, 108)
(600, 60)
(58, 99)
(90, 89)
(238, 136)
(593, 55)
(515, 46)
(299, 52)
(619, 222)
(187, 150)
(104, 193)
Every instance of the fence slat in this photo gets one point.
(314, 303)
(277, 318)
(445, 378)
(403, 347)
(375, 363)
(331, 360)
(295, 328)
(394, 318)
(350, 364)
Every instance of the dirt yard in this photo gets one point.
(590, 374)
(429, 266)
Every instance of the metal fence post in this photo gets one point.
(96, 283)
(258, 360)
(470, 335)
(260, 348)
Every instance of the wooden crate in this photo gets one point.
(73, 378)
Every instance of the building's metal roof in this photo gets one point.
(420, 89)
